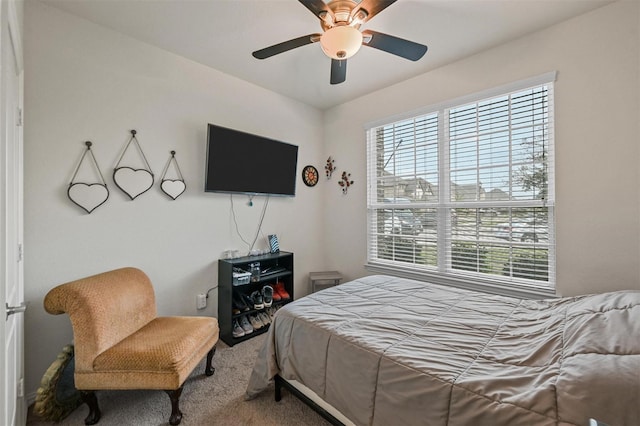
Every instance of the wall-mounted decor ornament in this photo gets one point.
(131, 181)
(172, 187)
(329, 168)
(345, 182)
(310, 175)
(88, 196)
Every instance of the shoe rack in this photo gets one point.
(275, 268)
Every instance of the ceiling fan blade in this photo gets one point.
(317, 7)
(338, 71)
(373, 7)
(267, 52)
(394, 45)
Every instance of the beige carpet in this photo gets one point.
(215, 400)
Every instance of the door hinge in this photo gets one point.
(20, 252)
(20, 388)
(19, 117)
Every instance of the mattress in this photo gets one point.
(391, 351)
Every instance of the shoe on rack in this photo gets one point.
(260, 317)
(237, 330)
(236, 308)
(258, 302)
(255, 322)
(274, 295)
(264, 318)
(239, 303)
(279, 288)
(267, 295)
(244, 323)
(248, 300)
(271, 311)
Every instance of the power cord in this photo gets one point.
(233, 214)
(209, 291)
(264, 210)
(258, 231)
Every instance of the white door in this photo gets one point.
(12, 401)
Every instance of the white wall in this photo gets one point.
(84, 82)
(597, 118)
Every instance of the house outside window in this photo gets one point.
(462, 193)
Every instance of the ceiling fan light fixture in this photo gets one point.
(341, 42)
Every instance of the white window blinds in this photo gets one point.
(466, 190)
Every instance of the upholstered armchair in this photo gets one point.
(121, 343)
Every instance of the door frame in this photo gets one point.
(11, 210)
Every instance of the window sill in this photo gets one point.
(521, 291)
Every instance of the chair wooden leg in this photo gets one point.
(89, 398)
(176, 414)
(209, 370)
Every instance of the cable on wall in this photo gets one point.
(258, 231)
(264, 210)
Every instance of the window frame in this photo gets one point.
(442, 273)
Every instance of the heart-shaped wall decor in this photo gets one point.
(88, 196)
(133, 182)
(173, 187)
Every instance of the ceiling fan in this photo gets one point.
(341, 38)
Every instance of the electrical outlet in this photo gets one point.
(201, 301)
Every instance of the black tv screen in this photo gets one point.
(239, 162)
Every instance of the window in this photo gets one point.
(463, 191)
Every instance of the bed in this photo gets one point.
(386, 351)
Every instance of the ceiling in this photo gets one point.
(222, 34)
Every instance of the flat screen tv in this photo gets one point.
(239, 162)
